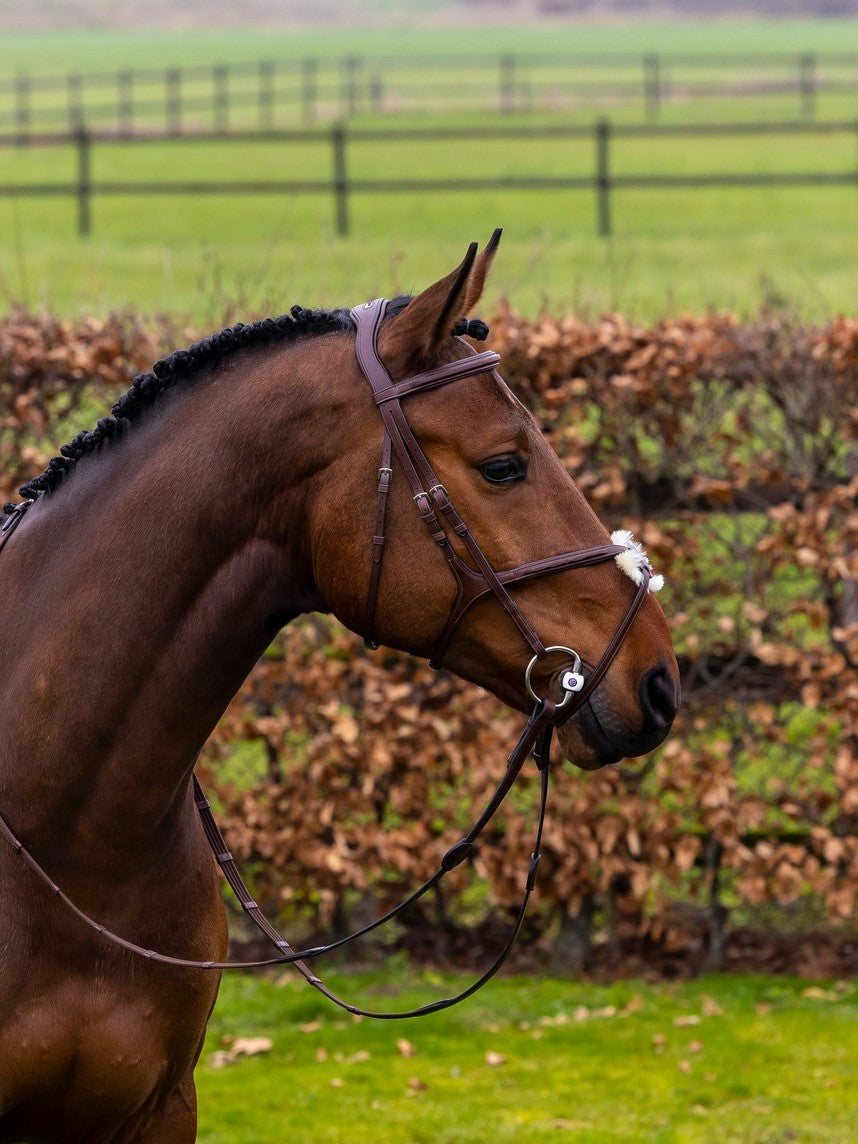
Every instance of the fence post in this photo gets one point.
(75, 100)
(652, 86)
(603, 177)
(715, 911)
(266, 94)
(84, 182)
(220, 83)
(125, 89)
(22, 108)
(309, 70)
(341, 184)
(507, 84)
(807, 85)
(351, 66)
(173, 81)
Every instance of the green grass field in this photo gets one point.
(720, 1060)
(46, 53)
(671, 250)
(202, 257)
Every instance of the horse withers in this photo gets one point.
(268, 471)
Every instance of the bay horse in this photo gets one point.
(233, 488)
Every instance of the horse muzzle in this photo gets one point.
(606, 734)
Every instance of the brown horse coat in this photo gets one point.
(137, 593)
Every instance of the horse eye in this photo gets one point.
(504, 470)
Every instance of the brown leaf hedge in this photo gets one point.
(731, 449)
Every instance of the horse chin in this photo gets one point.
(584, 745)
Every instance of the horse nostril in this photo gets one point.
(659, 697)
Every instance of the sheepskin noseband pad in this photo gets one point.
(634, 560)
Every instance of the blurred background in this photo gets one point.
(642, 156)
(675, 300)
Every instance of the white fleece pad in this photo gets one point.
(634, 560)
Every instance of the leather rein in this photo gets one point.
(474, 583)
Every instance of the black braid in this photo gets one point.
(181, 366)
(474, 328)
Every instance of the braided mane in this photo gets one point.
(183, 366)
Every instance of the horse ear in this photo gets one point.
(408, 340)
(482, 266)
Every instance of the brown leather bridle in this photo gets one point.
(438, 513)
(473, 583)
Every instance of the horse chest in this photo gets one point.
(90, 1035)
(96, 1053)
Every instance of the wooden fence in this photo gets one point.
(274, 93)
(601, 180)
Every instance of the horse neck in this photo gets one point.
(139, 594)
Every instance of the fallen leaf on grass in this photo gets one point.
(494, 1059)
(686, 1021)
(814, 993)
(415, 1085)
(251, 1046)
(310, 1027)
(240, 1047)
(406, 1049)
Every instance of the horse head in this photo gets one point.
(448, 527)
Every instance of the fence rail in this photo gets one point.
(602, 180)
(270, 92)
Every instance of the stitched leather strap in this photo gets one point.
(535, 737)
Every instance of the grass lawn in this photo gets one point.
(672, 250)
(199, 257)
(46, 53)
(732, 1060)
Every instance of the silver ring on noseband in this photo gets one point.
(572, 680)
